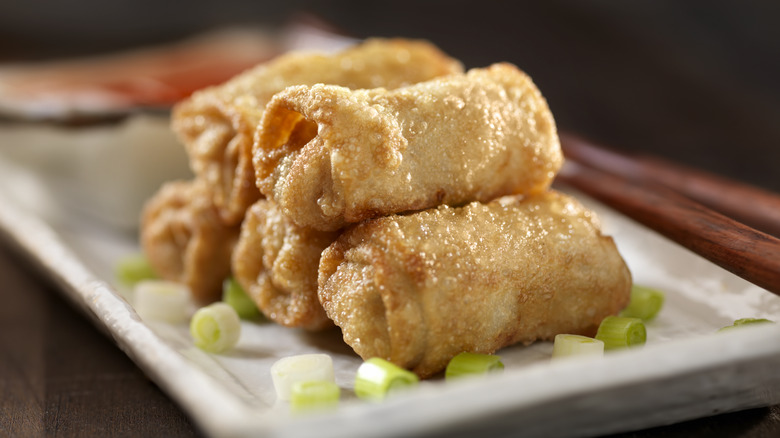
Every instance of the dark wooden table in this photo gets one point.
(694, 81)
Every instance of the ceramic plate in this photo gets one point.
(685, 371)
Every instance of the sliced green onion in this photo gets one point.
(376, 378)
(746, 321)
(619, 332)
(645, 303)
(236, 297)
(749, 321)
(215, 328)
(131, 269)
(314, 395)
(288, 371)
(472, 364)
(158, 300)
(575, 345)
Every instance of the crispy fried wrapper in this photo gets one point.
(331, 156)
(186, 241)
(276, 262)
(217, 124)
(419, 289)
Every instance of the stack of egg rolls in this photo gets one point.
(399, 198)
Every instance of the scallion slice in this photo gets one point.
(645, 303)
(236, 297)
(215, 328)
(131, 269)
(159, 300)
(575, 345)
(746, 321)
(314, 395)
(749, 321)
(620, 332)
(376, 378)
(472, 364)
(290, 370)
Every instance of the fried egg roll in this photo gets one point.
(217, 124)
(419, 289)
(186, 241)
(276, 262)
(331, 156)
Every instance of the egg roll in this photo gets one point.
(217, 124)
(276, 262)
(330, 156)
(421, 288)
(185, 240)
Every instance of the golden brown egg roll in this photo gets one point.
(186, 241)
(331, 156)
(276, 262)
(419, 289)
(217, 124)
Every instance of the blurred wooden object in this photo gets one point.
(748, 204)
(748, 253)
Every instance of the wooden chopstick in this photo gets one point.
(753, 206)
(744, 251)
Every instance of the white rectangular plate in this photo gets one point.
(685, 371)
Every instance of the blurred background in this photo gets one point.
(695, 81)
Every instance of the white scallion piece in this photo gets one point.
(575, 345)
(287, 371)
(164, 301)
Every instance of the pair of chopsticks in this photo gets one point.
(691, 207)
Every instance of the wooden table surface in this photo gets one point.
(695, 82)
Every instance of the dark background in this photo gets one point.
(697, 82)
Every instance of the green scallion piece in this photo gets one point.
(234, 295)
(131, 269)
(645, 303)
(215, 328)
(746, 321)
(472, 364)
(575, 345)
(376, 378)
(314, 395)
(620, 332)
